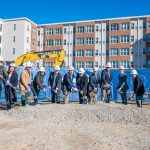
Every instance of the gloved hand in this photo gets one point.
(44, 89)
(95, 90)
(14, 87)
(65, 93)
(81, 92)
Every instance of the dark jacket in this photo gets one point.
(58, 80)
(38, 81)
(105, 78)
(94, 82)
(14, 79)
(122, 82)
(67, 82)
(82, 83)
(4, 73)
(138, 86)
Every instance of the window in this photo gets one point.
(79, 53)
(132, 51)
(80, 29)
(65, 42)
(0, 39)
(124, 51)
(89, 41)
(49, 64)
(125, 26)
(148, 24)
(114, 39)
(96, 41)
(33, 30)
(14, 39)
(49, 32)
(144, 51)
(80, 41)
(125, 64)
(97, 28)
(13, 51)
(114, 64)
(125, 39)
(27, 39)
(58, 31)
(57, 42)
(89, 65)
(148, 37)
(65, 30)
(114, 27)
(0, 27)
(96, 64)
(96, 52)
(33, 42)
(14, 26)
(132, 38)
(27, 27)
(114, 52)
(79, 64)
(148, 50)
(49, 42)
(132, 25)
(89, 52)
(89, 29)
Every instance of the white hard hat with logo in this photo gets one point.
(121, 67)
(42, 69)
(28, 64)
(81, 70)
(12, 65)
(95, 69)
(71, 68)
(57, 68)
(108, 65)
(134, 72)
(1, 59)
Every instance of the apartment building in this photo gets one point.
(121, 41)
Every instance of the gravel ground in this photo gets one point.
(75, 127)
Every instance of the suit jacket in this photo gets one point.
(14, 79)
(138, 86)
(105, 78)
(82, 83)
(58, 80)
(122, 82)
(24, 80)
(93, 82)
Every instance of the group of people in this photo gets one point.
(87, 87)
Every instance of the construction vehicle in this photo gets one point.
(32, 56)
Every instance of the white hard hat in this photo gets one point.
(71, 68)
(57, 68)
(1, 58)
(108, 65)
(134, 72)
(12, 65)
(121, 67)
(95, 69)
(42, 69)
(81, 70)
(28, 64)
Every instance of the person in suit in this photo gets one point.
(106, 81)
(122, 85)
(68, 84)
(38, 84)
(82, 84)
(138, 88)
(11, 85)
(54, 82)
(94, 82)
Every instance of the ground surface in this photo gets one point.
(75, 127)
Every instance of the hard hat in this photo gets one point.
(108, 65)
(134, 72)
(71, 68)
(121, 67)
(81, 70)
(1, 58)
(12, 65)
(42, 69)
(28, 64)
(95, 69)
(57, 68)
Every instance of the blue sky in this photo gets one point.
(53, 11)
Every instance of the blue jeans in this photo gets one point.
(139, 100)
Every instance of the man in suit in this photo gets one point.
(54, 81)
(106, 81)
(138, 88)
(82, 84)
(122, 85)
(94, 82)
(68, 84)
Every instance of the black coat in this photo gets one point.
(82, 83)
(58, 80)
(94, 82)
(138, 86)
(38, 81)
(105, 78)
(122, 82)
